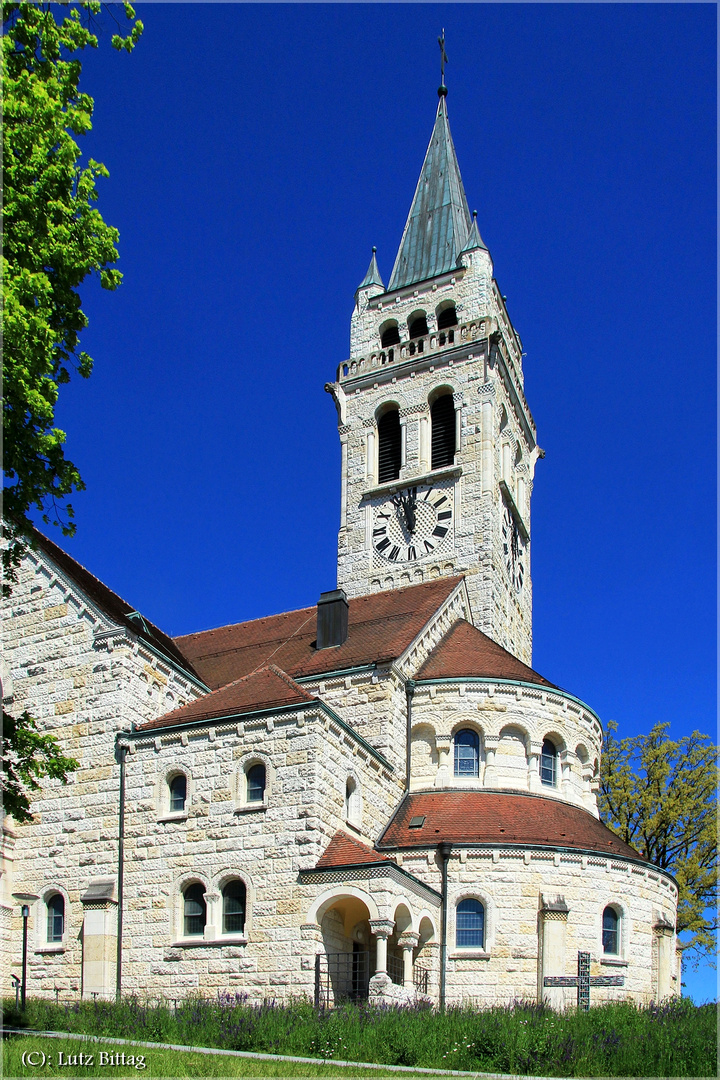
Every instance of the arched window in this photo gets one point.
(55, 917)
(447, 317)
(234, 907)
(548, 764)
(467, 753)
(195, 911)
(470, 925)
(178, 793)
(418, 326)
(390, 335)
(610, 932)
(353, 803)
(389, 448)
(442, 420)
(256, 783)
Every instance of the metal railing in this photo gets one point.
(341, 977)
(395, 970)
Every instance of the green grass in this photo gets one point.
(156, 1062)
(675, 1039)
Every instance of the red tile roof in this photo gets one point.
(499, 817)
(268, 688)
(380, 628)
(465, 651)
(343, 850)
(110, 603)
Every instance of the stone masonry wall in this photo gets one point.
(511, 883)
(83, 679)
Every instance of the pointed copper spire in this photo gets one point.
(474, 239)
(439, 220)
(373, 275)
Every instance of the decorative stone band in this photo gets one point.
(414, 410)
(344, 429)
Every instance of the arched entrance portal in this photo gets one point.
(343, 970)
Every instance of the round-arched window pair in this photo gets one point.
(195, 908)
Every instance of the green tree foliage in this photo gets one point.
(28, 757)
(54, 237)
(660, 796)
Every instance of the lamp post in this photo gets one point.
(23, 990)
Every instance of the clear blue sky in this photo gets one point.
(256, 153)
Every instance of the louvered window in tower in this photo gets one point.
(389, 446)
(442, 418)
(447, 318)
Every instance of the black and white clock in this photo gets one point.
(411, 524)
(513, 549)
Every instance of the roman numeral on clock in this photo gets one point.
(383, 544)
(381, 531)
(439, 531)
(412, 554)
(445, 515)
(394, 553)
(441, 500)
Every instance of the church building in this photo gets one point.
(373, 797)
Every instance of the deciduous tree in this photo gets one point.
(660, 796)
(28, 757)
(53, 238)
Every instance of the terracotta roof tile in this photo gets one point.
(344, 850)
(499, 817)
(466, 651)
(380, 628)
(113, 605)
(268, 688)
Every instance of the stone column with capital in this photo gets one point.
(534, 753)
(490, 774)
(407, 942)
(213, 922)
(442, 744)
(382, 929)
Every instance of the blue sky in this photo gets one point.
(256, 153)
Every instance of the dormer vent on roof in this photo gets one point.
(332, 619)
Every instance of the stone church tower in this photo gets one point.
(438, 443)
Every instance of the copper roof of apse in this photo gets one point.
(268, 688)
(499, 817)
(380, 627)
(465, 652)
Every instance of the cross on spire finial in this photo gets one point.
(442, 90)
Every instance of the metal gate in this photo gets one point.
(341, 977)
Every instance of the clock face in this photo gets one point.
(413, 523)
(512, 549)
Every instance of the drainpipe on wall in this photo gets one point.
(444, 850)
(122, 749)
(409, 691)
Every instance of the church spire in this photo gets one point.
(439, 223)
(373, 275)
